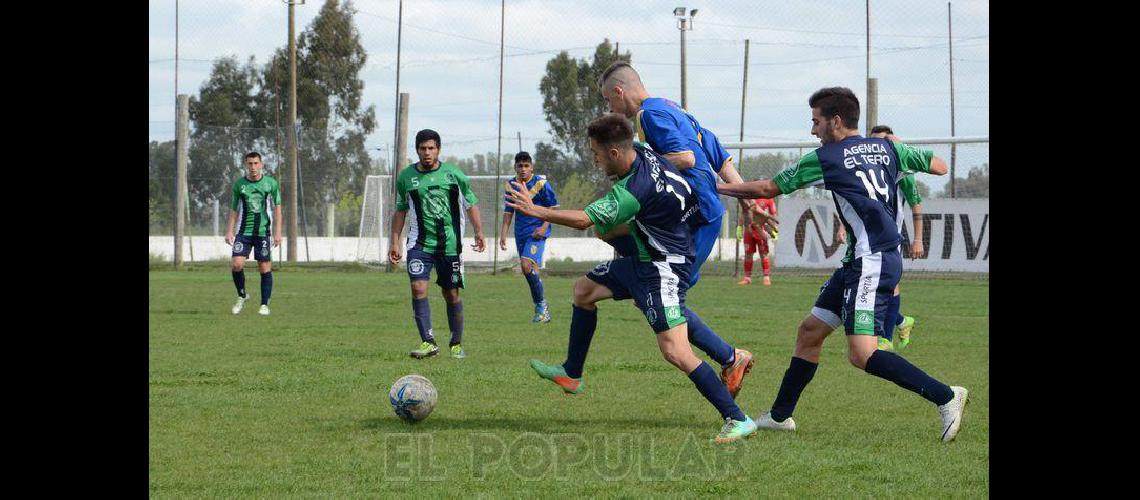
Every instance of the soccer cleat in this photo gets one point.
(904, 331)
(765, 422)
(745, 281)
(951, 413)
(426, 349)
(238, 305)
(557, 374)
(541, 313)
(767, 281)
(886, 345)
(733, 375)
(457, 352)
(264, 310)
(735, 430)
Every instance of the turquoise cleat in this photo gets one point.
(735, 430)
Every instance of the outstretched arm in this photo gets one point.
(518, 198)
(752, 189)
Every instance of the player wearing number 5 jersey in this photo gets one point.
(431, 197)
(860, 172)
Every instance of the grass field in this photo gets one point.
(296, 403)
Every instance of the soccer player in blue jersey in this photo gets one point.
(658, 205)
(860, 173)
(530, 233)
(908, 193)
(699, 156)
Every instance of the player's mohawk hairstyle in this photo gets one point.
(614, 68)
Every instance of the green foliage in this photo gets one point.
(975, 185)
(162, 172)
(576, 192)
(570, 100)
(243, 108)
(763, 165)
(348, 214)
(923, 189)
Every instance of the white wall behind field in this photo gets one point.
(346, 249)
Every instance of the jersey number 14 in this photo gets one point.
(873, 185)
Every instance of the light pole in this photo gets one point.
(291, 213)
(684, 24)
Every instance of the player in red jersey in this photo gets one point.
(756, 240)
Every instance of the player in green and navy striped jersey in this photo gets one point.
(255, 197)
(908, 192)
(431, 197)
(861, 173)
(661, 210)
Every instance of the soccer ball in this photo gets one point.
(413, 397)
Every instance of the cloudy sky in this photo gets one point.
(450, 61)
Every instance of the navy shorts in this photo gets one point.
(857, 294)
(704, 238)
(530, 248)
(260, 245)
(658, 288)
(448, 268)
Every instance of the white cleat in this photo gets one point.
(951, 413)
(264, 311)
(764, 421)
(238, 305)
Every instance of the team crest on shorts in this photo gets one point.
(651, 315)
(415, 266)
(864, 318)
(237, 246)
(455, 278)
(602, 269)
(533, 248)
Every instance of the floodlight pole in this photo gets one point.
(684, 24)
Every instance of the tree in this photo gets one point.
(221, 113)
(330, 114)
(923, 189)
(570, 100)
(162, 173)
(763, 165)
(975, 185)
(241, 108)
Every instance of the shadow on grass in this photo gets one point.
(530, 424)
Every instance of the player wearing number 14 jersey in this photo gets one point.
(860, 172)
